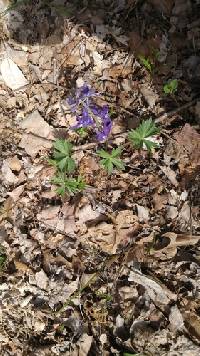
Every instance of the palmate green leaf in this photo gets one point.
(108, 165)
(62, 156)
(63, 146)
(139, 136)
(67, 185)
(150, 145)
(67, 164)
(147, 128)
(116, 152)
(118, 164)
(103, 154)
(111, 160)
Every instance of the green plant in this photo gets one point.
(68, 185)
(111, 160)
(62, 156)
(138, 137)
(146, 62)
(65, 166)
(82, 132)
(171, 86)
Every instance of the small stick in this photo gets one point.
(163, 117)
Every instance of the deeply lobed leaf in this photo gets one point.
(138, 136)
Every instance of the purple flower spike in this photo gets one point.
(85, 92)
(82, 97)
(89, 114)
(84, 120)
(106, 124)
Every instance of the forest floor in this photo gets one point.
(115, 269)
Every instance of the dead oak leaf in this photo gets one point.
(186, 150)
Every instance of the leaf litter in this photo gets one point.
(113, 270)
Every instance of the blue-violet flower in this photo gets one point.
(88, 114)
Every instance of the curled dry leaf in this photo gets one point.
(158, 293)
(111, 236)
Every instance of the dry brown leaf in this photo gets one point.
(192, 323)
(83, 346)
(7, 174)
(143, 213)
(186, 150)
(33, 144)
(170, 174)
(64, 222)
(149, 95)
(22, 267)
(117, 71)
(160, 201)
(35, 124)
(164, 6)
(175, 241)
(87, 215)
(15, 194)
(6, 210)
(15, 164)
(141, 46)
(159, 294)
(176, 319)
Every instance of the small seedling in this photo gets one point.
(138, 137)
(82, 132)
(146, 62)
(111, 160)
(171, 86)
(67, 185)
(62, 156)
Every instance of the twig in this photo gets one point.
(163, 117)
